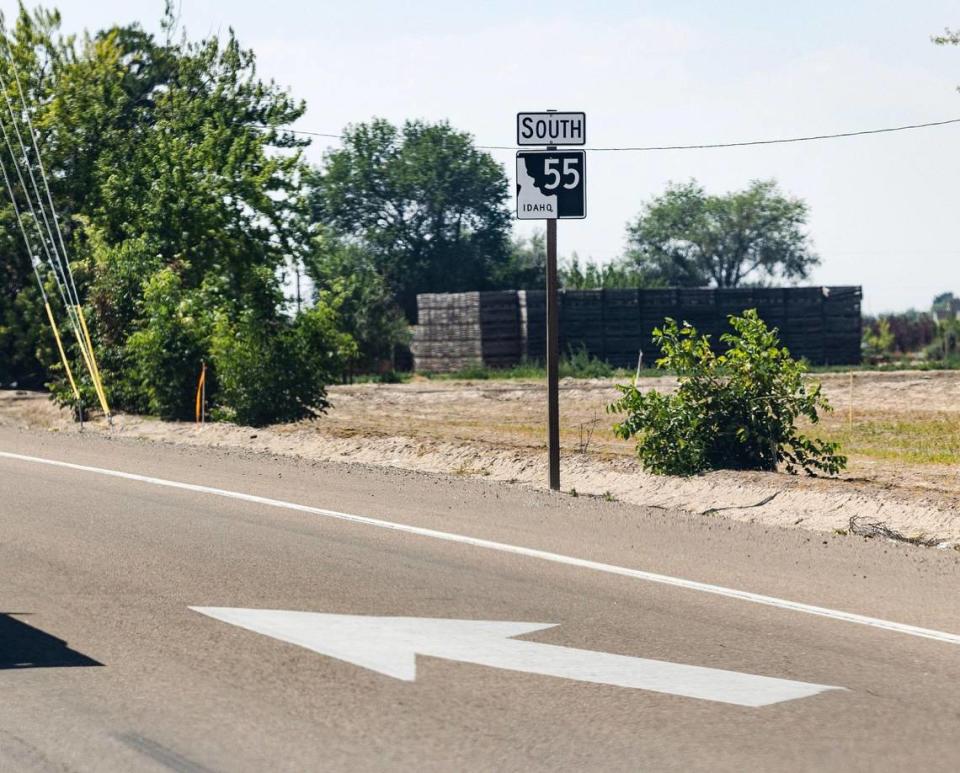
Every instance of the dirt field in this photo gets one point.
(900, 430)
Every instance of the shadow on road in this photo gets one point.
(23, 646)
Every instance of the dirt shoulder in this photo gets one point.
(901, 431)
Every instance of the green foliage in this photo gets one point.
(426, 205)
(737, 410)
(687, 238)
(948, 38)
(527, 269)
(946, 343)
(181, 193)
(526, 265)
(163, 356)
(911, 331)
(477, 372)
(878, 341)
(345, 277)
(275, 370)
(579, 363)
(618, 274)
(25, 338)
(946, 306)
(391, 377)
(943, 302)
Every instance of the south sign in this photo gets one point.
(550, 128)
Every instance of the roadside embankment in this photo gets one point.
(901, 431)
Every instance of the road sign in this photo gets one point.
(551, 128)
(390, 645)
(551, 184)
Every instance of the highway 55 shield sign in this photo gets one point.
(551, 184)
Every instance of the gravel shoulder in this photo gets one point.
(901, 431)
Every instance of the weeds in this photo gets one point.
(913, 439)
(573, 367)
(865, 527)
(586, 433)
(577, 364)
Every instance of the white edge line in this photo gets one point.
(543, 555)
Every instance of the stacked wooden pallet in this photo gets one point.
(462, 330)
(582, 322)
(447, 336)
(533, 319)
(843, 326)
(499, 329)
(623, 334)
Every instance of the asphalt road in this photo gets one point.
(104, 665)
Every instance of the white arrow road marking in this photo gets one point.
(517, 550)
(389, 645)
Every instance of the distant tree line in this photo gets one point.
(933, 335)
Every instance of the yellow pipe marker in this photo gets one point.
(63, 354)
(95, 370)
(200, 385)
(86, 359)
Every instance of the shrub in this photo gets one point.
(275, 370)
(890, 334)
(878, 340)
(946, 343)
(346, 279)
(163, 356)
(737, 410)
(579, 363)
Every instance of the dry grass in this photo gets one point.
(905, 428)
(903, 440)
(911, 437)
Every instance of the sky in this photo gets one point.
(883, 209)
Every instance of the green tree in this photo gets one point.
(688, 238)
(425, 204)
(345, 278)
(27, 350)
(945, 305)
(163, 356)
(946, 342)
(590, 275)
(181, 192)
(526, 265)
(878, 340)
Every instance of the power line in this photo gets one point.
(59, 263)
(700, 146)
(787, 140)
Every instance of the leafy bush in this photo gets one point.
(163, 357)
(946, 343)
(347, 280)
(579, 363)
(878, 341)
(905, 333)
(737, 410)
(274, 370)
